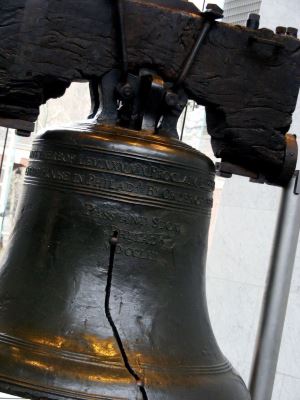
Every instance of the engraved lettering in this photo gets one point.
(102, 182)
(159, 225)
(138, 169)
(139, 236)
(151, 191)
(165, 225)
(143, 254)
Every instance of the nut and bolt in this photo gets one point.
(174, 101)
(281, 30)
(23, 133)
(292, 32)
(171, 99)
(125, 91)
(253, 21)
(213, 11)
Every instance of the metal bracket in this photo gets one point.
(212, 13)
(227, 169)
(297, 183)
(23, 128)
(264, 48)
(152, 99)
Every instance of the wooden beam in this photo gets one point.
(248, 80)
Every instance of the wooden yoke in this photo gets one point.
(248, 80)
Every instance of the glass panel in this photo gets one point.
(73, 106)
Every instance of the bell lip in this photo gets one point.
(47, 393)
(233, 384)
(143, 137)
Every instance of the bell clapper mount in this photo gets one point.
(144, 101)
(113, 245)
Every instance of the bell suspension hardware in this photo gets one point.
(123, 87)
(123, 44)
(172, 98)
(175, 99)
(169, 99)
(213, 12)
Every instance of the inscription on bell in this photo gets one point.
(106, 182)
(132, 220)
(142, 237)
(134, 168)
(140, 253)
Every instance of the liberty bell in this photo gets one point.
(102, 286)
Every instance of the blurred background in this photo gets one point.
(243, 220)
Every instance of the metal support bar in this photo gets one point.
(277, 293)
(3, 151)
(191, 58)
(123, 44)
(183, 122)
(213, 12)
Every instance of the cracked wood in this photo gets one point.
(248, 80)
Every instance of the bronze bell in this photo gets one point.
(83, 185)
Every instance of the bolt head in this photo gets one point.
(253, 21)
(171, 99)
(23, 133)
(281, 30)
(180, 106)
(254, 17)
(292, 32)
(125, 91)
(213, 11)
